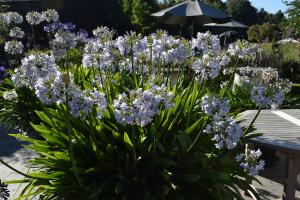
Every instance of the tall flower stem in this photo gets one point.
(252, 121)
(33, 36)
(207, 161)
(231, 78)
(70, 137)
(133, 150)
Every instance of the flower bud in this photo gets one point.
(66, 78)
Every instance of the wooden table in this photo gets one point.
(281, 129)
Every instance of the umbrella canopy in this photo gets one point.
(231, 34)
(229, 24)
(195, 11)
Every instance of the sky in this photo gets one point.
(271, 6)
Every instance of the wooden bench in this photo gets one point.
(281, 129)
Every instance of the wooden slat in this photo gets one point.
(281, 128)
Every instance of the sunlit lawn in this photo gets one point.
(295, 89)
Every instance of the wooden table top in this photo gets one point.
(280, 128)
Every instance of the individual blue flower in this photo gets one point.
(4, 192)
(116, 33)
(48, 28)
(82, 33)
(69, 26)
(57, 25)
(2, 72)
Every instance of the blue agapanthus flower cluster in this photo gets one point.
(141, 106)
(82, 33)
(250, 161)
(227, 133)
(4, 192)
(267, 96)
(3, 72)
(82, 102)
(212, 60)
(58, 25)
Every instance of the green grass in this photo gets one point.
(295, 89)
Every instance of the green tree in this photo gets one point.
(138, 15)
(264, 32)
(242, 11)
(293, 12)
(230, 3)
(218, 4)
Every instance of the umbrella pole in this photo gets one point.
(173, 29)
(192, 29)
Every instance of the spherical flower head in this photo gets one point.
(267, 96)
(141, 106)
(16, 32)
(13, 47)
(102, 32)
(34, 18)
(4, 192)
(213, 105)
(226, 133)
(10, 95)
(250, 161)
(13, 17)
(50, 15)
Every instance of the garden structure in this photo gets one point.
(281, 132)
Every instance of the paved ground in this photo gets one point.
(13, 153)
(16, 155)
(272, 182)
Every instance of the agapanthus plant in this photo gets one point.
(226, 132)
(250, 161)
(13, 17)
(50, 15)
(16, 32)
(34, 66)
(34, 18)
(209, 65)
(13, 47)
(267, 96)
(115, 127)
(242, 48)
(10, 95)
(139, 107)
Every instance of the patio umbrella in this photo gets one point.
(231, 34)
(192, 11)
(229, 24)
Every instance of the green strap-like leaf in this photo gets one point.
(214, 175)
(120, 186)
(188, 177)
